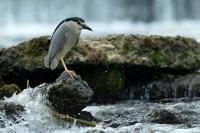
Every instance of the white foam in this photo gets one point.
(38, 118)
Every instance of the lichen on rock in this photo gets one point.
(136, 57)
(8, 90)
(114, 49)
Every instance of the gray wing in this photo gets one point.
(57, 40)
(76, 42)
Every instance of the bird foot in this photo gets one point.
(72, 74)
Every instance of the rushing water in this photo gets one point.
(24, 19)
(130, 116)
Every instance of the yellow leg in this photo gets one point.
(63, 63)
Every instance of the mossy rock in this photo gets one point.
(127, 47)
(168, 87)
(8, 90)
(159, 57)
(174, 54)
(107, 84)
(114, 49)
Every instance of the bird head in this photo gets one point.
(79, 22)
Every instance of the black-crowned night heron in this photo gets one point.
(64, 38)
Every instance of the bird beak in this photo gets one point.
(86, 27)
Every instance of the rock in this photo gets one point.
(187, 86)
(11, 113)
(107, 85)
(24, 62)
(96, 131)
(1, 81)
(108, 64)
(84, 115)
(8, 90)
(162, 116)
(151, 51)
(69, 96)
(131, 112)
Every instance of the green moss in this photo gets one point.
(165, 76)
(150, 43)
(159, 57)
(127, 47)
(115, 80)
(106, 84)
(8, 90)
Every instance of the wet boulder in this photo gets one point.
(107, 85)
(109, 64)
(10, 113)
(69, 95)
(168, 87)
(127, 51)
(1, 81)
(8, 90)
(85, 115)
(162, 116)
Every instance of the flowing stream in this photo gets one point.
(25, 19)
(123, 117)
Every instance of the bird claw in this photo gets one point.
(72, 74)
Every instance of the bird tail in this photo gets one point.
(51, 62)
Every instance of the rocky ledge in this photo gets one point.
(108, 65)
(152, 51)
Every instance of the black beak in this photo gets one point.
(86, 27)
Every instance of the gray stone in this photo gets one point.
(187, 86)
(68, 95)
(151, 51)
(108, 64)
(162, 116)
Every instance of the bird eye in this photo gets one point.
(78, 22)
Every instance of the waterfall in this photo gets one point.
(52, 11)
(23, 19)
(164, 10)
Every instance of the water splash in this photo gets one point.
(128, 115)
(38, 116)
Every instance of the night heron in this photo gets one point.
(64, 38)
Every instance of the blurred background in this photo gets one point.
(24, 19)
